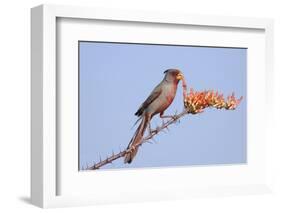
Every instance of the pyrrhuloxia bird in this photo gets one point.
(158, 101)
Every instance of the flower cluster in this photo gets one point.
(195, 102)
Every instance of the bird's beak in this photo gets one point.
(179, 76)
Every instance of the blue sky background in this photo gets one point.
(116, 78)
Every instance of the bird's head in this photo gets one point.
(173, 75)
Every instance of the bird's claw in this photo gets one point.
(156, 130)
(174, 117)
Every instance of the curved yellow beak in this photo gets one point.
(179, 76)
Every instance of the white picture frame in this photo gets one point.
(46, 177)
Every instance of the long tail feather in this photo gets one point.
(136, 139)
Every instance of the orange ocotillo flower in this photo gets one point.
(196, 102)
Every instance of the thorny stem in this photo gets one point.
(154, 132)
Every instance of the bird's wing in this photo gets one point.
(154, 94)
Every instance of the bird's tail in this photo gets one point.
(136, 139)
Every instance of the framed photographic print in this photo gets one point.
(130, 106)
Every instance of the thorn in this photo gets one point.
(154, 140)
(100, 158)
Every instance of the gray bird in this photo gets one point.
(158, 101)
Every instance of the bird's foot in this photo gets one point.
(157, 130)
(154, 131)
(174, 117)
